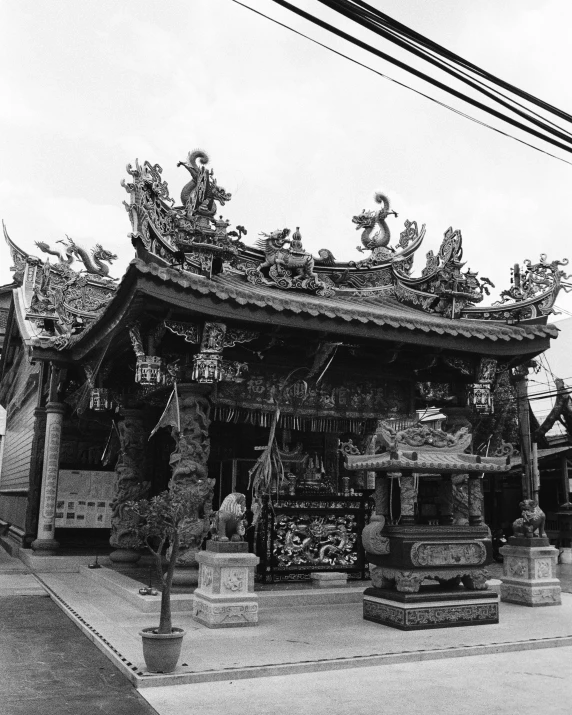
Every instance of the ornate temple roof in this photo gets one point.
(376, 317)
(381, 310)
(188, 257)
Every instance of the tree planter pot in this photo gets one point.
(161, 650)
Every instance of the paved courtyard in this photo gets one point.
(521, 683)
(319, 658)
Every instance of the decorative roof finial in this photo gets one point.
(296, 242)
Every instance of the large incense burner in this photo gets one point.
(417, 569)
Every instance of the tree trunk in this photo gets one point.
(165, 621)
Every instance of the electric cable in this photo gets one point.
(421, 75)
(402, 84)
(341, 6)
(404, 31)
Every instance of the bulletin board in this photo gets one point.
(84, 499)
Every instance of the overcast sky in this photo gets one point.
(299, 136)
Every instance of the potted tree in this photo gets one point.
(159, 523)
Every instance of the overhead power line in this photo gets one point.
(402, 84)
(413, 41)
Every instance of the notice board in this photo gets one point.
(84, 499)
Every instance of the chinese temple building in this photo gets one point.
(260, 368)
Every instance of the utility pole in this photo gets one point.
(521, 386)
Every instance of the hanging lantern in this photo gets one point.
(480, 397)
(207, 367)
(100, 399)
(149, 370)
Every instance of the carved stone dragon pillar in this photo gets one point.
(189, 465)
(130, 485)
(460, 495)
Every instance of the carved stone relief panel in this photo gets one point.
(470, 553)
(234, 579)
(542, 568)
(517, 567)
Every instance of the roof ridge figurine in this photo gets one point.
(193, 239)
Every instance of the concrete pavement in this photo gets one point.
(312, 656)
(525, 682)
(290, 640)
(46, 664)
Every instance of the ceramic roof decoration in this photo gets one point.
(190, 247)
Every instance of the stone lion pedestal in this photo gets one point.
(528, 572)
(225, 596)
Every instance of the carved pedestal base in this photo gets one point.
(225, 597)
(405, 581)
(528, 573)
(430, 608)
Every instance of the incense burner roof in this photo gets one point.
(429, 461)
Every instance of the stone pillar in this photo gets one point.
(373, 540)
(446, 500)
(130, 485)
(45, 542)
(475, 501)
(369, 448)
(381, 495)
(408, 499)
(189, 465)
(460, 490)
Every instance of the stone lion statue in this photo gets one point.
(228, 523)
(532, 520)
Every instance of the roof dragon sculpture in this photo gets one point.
(368, 220)
(192, 237)
(94, 264)
(59, 301)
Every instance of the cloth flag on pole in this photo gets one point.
(171, 416)
(112, 446)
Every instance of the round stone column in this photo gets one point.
(45, 543)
